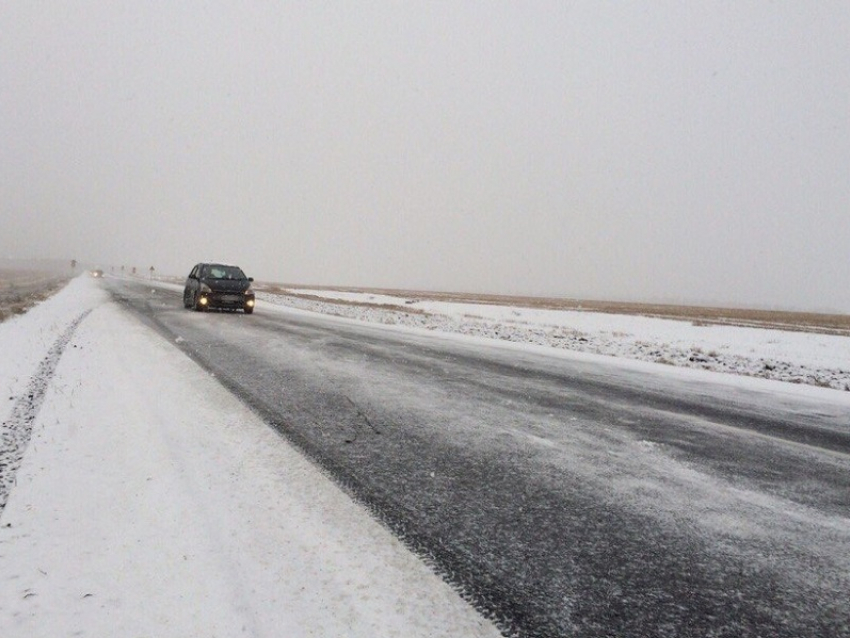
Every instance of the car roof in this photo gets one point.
(217, 263)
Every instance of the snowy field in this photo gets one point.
(795, 357)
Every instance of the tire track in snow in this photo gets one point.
(15, 433)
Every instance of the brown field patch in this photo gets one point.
(20, 290)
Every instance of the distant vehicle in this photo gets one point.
(218, 286)
(96, 273)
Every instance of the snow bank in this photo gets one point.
(795, 357)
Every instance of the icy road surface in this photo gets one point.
(151, 502)
(563, 494)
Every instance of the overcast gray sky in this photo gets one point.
(678, 151)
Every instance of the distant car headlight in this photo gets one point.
(205, 288)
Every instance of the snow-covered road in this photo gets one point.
(150, 502)
(580, 492)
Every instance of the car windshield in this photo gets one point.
(224, 272)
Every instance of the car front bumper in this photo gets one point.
(226, 300)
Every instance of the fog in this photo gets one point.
(663, 151)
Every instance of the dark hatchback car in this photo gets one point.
(218, 286)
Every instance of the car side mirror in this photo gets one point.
(250, 279)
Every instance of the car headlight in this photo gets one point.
(205, 288)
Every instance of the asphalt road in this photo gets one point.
(561, 497)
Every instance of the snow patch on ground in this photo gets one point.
(15, 432)
(794, 357)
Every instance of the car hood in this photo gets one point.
(227, 285)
